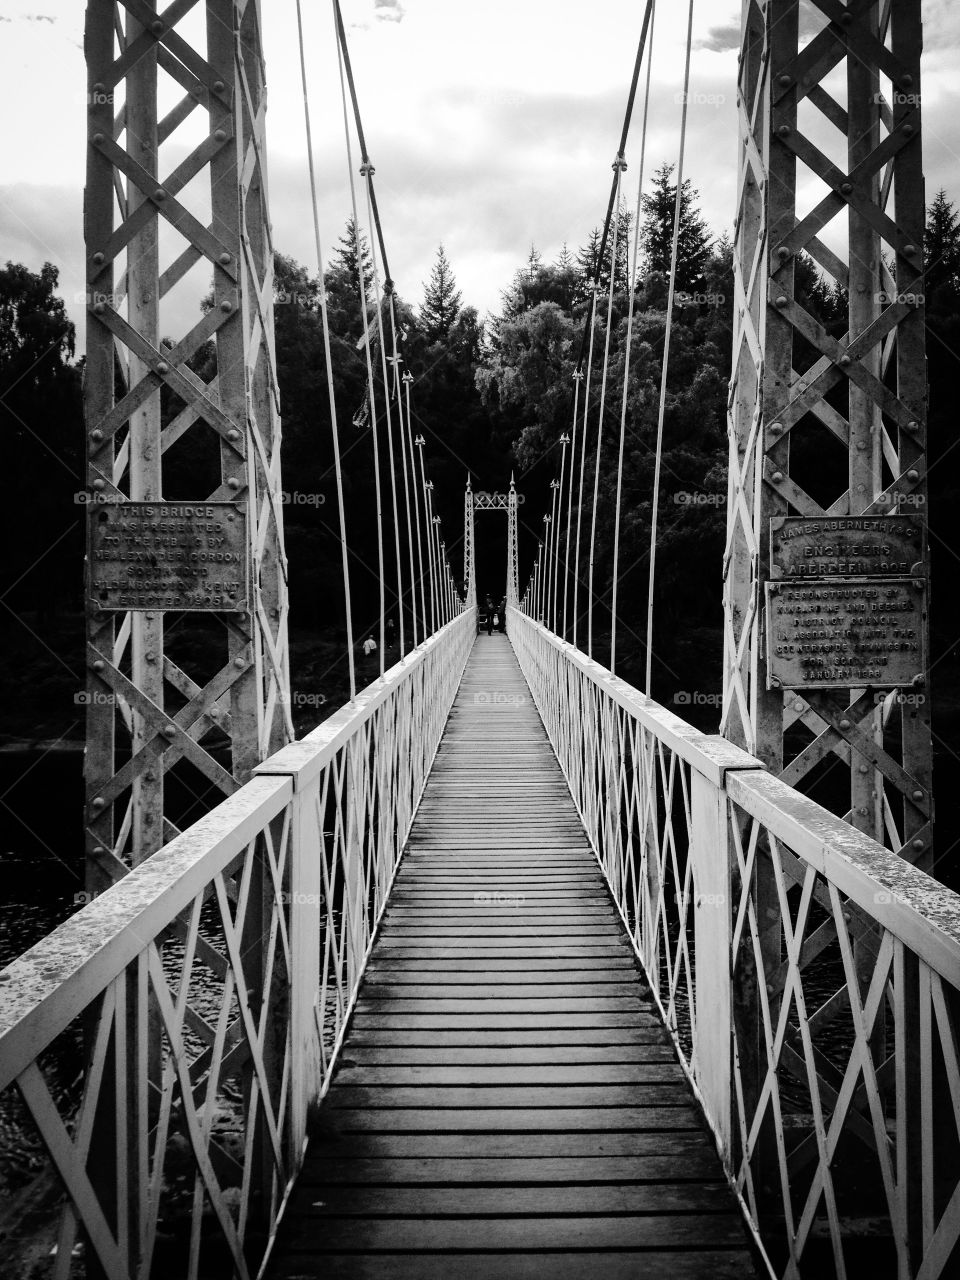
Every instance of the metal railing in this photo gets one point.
(168, 1040)
(809, 977)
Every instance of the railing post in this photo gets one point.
(713, 1039)
(304, 880)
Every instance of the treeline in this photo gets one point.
(489, 396)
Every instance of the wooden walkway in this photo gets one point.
(507, 1102)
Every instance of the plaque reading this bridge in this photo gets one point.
(846, 546)
(168, 555)
(845, 635)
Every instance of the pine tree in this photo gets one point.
(693, 245)
(588, 256)
(565, 259)
(941, 244)
(344, 270)
(441, 300)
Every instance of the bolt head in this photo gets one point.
(157, 27)
(908, 130)
(917, 844)
(98, 802)
(913, 474)
(783, 252)
(218, 86)
(777, 477)
(918, 795)
(239, 663)
(844, 359)
(844, 724)
(169, 731)
(784, 130)
(784, 80)
(97, 139)
(226, 305)
(96, 434)
(909, 250)
(220, 135)
(99, 308)
(846, 188)
(97, 665)
(233, 483)
(912, 425)
(233, 434)
(98, 484)
(162, 366)
(98, 258)
(782, 300)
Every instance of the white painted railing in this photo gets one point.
(810, 977)
(206, 994)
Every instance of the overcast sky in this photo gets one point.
(491, 126)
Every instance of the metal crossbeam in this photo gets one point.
(852, 86)
(210, 397)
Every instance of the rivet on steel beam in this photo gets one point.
(917, 844)
(908, 130)
(775, 428)
(784, 130)
(157, 27)
(98, 258)
(844, 724)
(99, 851)
(233, 434)
(783, 252)
(782, 300)
(864, 768)
(96, 434)
(162, 366)
(909, 250)
(97, 665)
(218, 86)
(98, 802)
(913, 475)
(846, 17)
(844, 359)
(785, 80)
(226, 305)
(239, 663)
(220, 135)
(919, 679)
(918, 795)
(777, 477)
(98, 485)
(225, 258)
(912, 425)
(97, 139)
(847, 916)
(169, 731)
(906, 80)
(846, 187)
(99, 308)
(99, 87)
(233, 483)
(799, 705)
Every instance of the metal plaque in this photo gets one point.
(168, 555)
(846, 546)
(846, 635)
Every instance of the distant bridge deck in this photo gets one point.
(507, 1101)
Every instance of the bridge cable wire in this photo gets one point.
(626, 360)
(677, 209)
(328, 361)
(371, 389)
(577, 379)
(619, 165)
(583, 460)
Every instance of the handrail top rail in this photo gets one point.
(920, 911)
(42, 990)
(710, 755)
(304, 759)
(916, 908)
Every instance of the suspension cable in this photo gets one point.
(578, 379)
(328, 360)
(406, 478)
(583, 463)
(371, 389)
(626, 361)
(619, 165)
(678, 205)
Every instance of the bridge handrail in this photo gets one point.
(916, 908)
(810, 977)
(271, 902)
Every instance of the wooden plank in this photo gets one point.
(709, 1265)
(362, 1033)
(513, 1075)
(517, 1055)
(560, 1097)
(698, 1166)
(474, 1199)
(679, 1141)
(366, 1116)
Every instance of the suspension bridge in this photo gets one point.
(503, 969)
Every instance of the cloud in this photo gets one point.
(388, 10)
(722, 38)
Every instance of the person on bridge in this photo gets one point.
(502, 616)
(489, 607)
